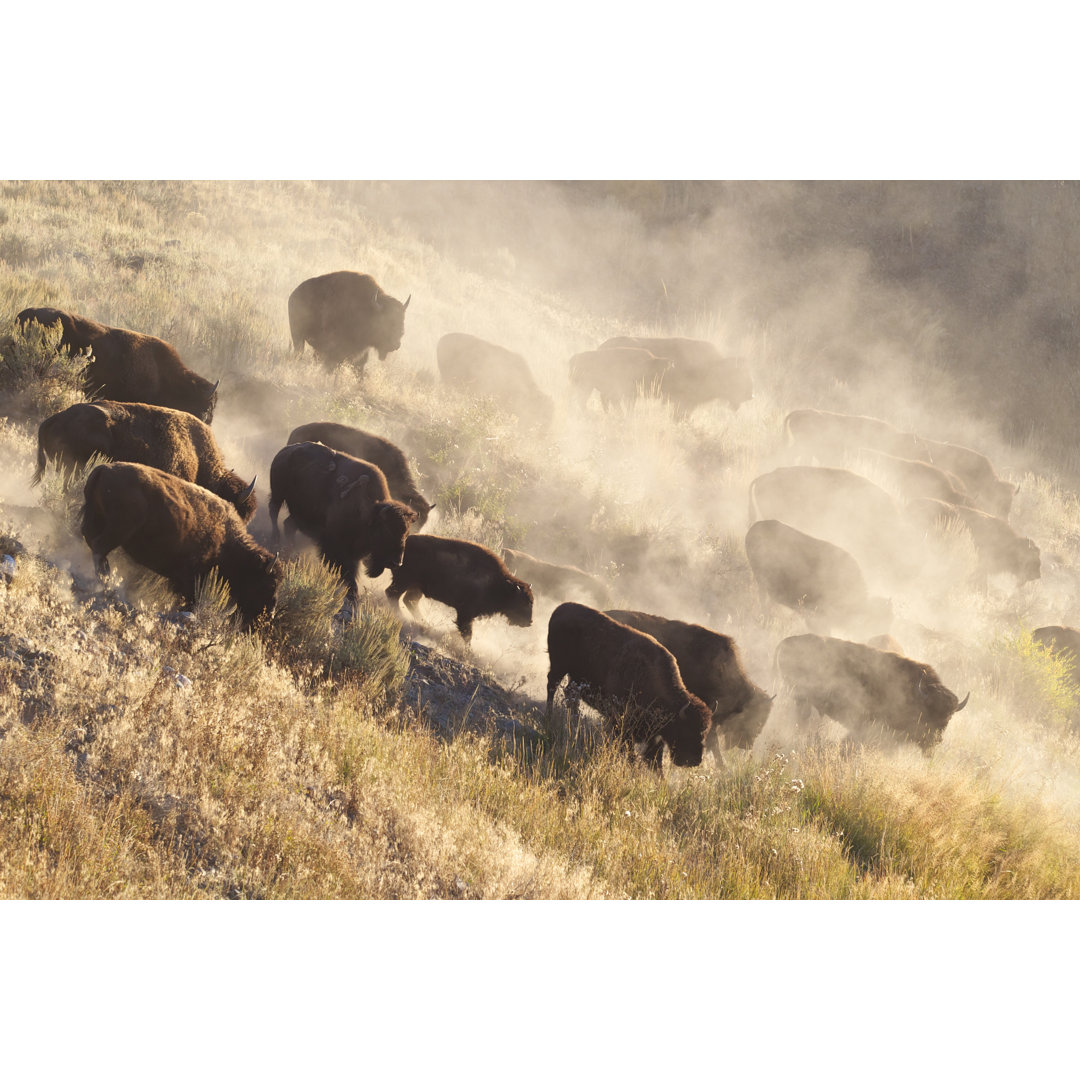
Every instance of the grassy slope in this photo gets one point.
(260, 780)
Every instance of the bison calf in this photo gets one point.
(862, 688)
(710, 666)
(468, 577)
(168, 439)
(382, 453)
(629, 678)
(553, 580)
(178, 530)
(344, 505)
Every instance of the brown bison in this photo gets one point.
(468, 577)
(919, 479)
(864, 688)
(619, 375)
(126, 366)
(168, 439)
(998, 547)
(559, 582)
(698, 373)
(829, 436)
(839, 506)
(1063, 640)
(630, 678)
(478, 367)
(711, 668)
(179, 530)
(344, 505)
(982, 483)
(380, 452)
(815, 578)
(342, 315)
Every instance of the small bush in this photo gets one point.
(1036, 679)
(309, 596)
(38, 376)
(368, 647)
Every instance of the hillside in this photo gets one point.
(145, 754)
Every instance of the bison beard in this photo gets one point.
(631, 679)
(178, 530)
(344, 505)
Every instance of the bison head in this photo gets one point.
(740, 730)
(685, 736)
(390, 527)
(256, 594)
(388, 324)
(518, 603)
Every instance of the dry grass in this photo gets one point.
(143, 755)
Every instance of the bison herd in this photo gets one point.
(169, 501)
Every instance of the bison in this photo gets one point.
(342, 315)
(468, 577)
(478, 367)
(618, 374)
(179, 530)
(919, 479)
(866, 689)
(821, 581)
(990, 493)
(711, 668)
(127, 366)
(999, 549)
(168, 439)
(556, 581)
(698, 373)
(630, 678)
(828, 436)
(344, 505)
(380, 452)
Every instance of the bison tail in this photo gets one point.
(39, 472)
(752, 509)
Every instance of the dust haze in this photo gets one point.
(945, 309)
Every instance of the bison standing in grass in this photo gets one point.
(126, 366)
(710, 666)
(865, 688)
(379, 451)
(344, 505)
(468, 577)
(618, 374)
(168, 439)
(631, 679)
(342, 315)
(178, 530)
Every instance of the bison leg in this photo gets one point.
(275, 509)
(654, 753)
(464, 625)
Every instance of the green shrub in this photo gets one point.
(38, 376)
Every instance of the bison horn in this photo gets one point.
(963, 703)
(250, 488)
(1017, 491)
(273, 562)
(405, 306)
(213, 389)
(375, 301)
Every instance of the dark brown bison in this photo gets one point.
(344, 505)
(478, 367)
(998, 547)
(819, 580)
(619, 375)
(698, 373)
(631, 679)
(558, 582)
(1063, 640)
(864, 688)
(981, 482)
(828, 436)
(468, 577)
(839, 506)
(919, 479)
(711, 668)
(380, 452)
(342, 315)
(179, 530)
(127, 366)
(168, 439)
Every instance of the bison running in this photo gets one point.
(815, 578)
(344, 505)
(631, 679)
(168, 439)
(478, 367)
(619, 375)
(342, 315)
(380, 452)
(828, 436)
(711, 668)
(866, 689)
(126, 366)
(551, 579)
(468, 577)
(178, 530)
